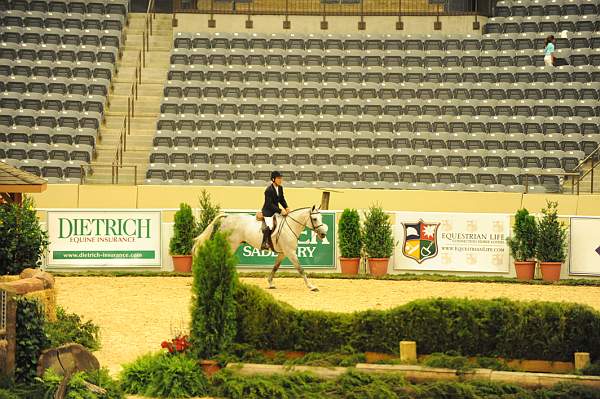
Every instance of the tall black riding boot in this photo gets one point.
(265, 242)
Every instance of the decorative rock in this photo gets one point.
(582, 360)
(67, 360)
(47, 278)
(408, 351)
(23, 286)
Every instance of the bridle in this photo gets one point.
(312, 222)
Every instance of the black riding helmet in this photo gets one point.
(275, 174)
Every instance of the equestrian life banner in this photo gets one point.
(312, 252)
(104, 238)
(584, 250)
(467, 242)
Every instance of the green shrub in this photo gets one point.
(6, 394)
(70, 328)
(377, 234)
(213, 307)
(492, 328)
(349, 237)
(552, 236)
(568, 391)
(31, 338)
(208, 211)
(164, 376)
(591, 369)
(184, 231)
(22, 240)
(523, 242)
(76, 388)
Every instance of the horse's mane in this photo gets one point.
(300, 209)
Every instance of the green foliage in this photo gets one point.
(70, 328)
(22, 240)
(31, 338)
(213, 307)
(377, 233)
(552, 235)
(164, 376)
(523, 242)
(568, 391)
(184, 231)
(462, 363)
(208, 211)
(6, 394)
(492, 328)
(76, 388)
(592, 369)
(349, 237)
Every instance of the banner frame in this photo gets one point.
(571, 244)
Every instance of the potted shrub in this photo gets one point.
(180, 246)
(551, 243)
(350, 241)
(378, 240)
(522, 244)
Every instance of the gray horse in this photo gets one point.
(246, 229)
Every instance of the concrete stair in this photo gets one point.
(146, 106)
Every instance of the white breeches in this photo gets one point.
(269, 221)
(548, 60)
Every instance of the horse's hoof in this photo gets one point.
(271, 287)
(314, 289)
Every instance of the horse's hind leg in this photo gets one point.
(298, 267)
(278, 261)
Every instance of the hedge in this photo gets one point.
(498, 327)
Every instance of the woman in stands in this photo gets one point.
(549, 58)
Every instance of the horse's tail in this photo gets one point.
(207, 233)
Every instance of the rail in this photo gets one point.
(115, 171)
(594, 157)
(565, 175)
(333, 7)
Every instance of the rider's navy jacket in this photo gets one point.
(272, 201)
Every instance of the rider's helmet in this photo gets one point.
(275, 174)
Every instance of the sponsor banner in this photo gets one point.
(468, 242)
(584, 252)
(104, 238)
(312, 252)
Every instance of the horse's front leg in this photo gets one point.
(294, 259)
(278, 260)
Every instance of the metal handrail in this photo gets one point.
(114, 171)
(590, 171)
(527, 175)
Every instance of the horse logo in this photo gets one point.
(420, 240)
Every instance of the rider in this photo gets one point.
(273, 197)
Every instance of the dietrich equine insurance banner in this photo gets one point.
(584, 250)
(104, 238)
(468, 242)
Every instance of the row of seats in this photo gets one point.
(49, 118)
(42, 85)
(58, 69)
(341, 156)
(390, 179)
(54, 171)
(48, 135)
(424, 91)
(274, 43)
(70, 6)
(523, 10)
(44, 52)
(54, 36)
(563, 74)
(541, 27)
(504, 58)
(52, 102)
(291, 107)
(62, 21)
(44, 152)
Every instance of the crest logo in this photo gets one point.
(420, 240)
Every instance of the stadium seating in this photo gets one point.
(56, 62)
(441, 112)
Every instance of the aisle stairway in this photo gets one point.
(146, 107)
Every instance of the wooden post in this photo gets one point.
(582, 360)
(408, 351)
(325, 200)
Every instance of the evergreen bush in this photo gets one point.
(523, 242)
(208, 211)
(31, 337)
(349, 236)
(377, 234)
(468, 327)
(22, 240)
(552, 235)
(184, 231)
(213, 306)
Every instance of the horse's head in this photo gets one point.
(316, 223)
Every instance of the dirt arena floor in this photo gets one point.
(136, 314)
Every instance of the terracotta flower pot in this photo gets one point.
(209, 367)
(525, 270)
(182, 263)
(378, 266)
(349, 265)
(550, 270)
